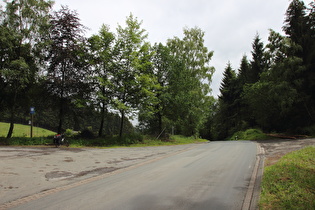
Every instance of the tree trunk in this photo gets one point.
(60, 116)
(12, 110)
(61, 111)
(160, 122)
(121, 122)
(10, 132)
(100, 131)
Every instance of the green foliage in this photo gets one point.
(309, 130)
(69, 133)
(274, 90)
(289, 184)
(76, 82)
(225, 117)
(189, 82)
(249, 134)
(102, 50)
(67, 68)
(130, 68)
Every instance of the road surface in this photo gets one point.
(208, 176)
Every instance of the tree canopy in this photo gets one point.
(100, 83)
(276, 86)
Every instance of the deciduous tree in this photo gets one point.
(129, 68)
(22, 23)
(67, 71)
(102, 51)
(190, 80)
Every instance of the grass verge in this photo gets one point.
(290, 183)
(131, 140)
(174, 140)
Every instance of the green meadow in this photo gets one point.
(24, 131)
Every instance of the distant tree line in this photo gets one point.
(102, 81)
(275, 90)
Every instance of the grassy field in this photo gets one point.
(290, 183)
(24, 131)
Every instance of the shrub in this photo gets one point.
(69, 133)
(87, 134)
(249, 134)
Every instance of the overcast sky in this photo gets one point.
(229, 25)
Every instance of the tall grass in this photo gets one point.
(290, 183)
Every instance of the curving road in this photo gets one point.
(208, 176)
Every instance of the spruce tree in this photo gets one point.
(225, 119)
(258, 62)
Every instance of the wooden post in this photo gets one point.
(32, 125)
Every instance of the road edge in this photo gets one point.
(253, 192)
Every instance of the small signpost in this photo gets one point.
(32, 112)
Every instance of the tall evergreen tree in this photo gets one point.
(244, 71)
(225, 117)
(296, 25)
(244, 116)
(299, 26)
(310, 60)
(258, 62)
(274, 98)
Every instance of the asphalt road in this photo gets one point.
(208, 176)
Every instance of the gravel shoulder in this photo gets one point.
(276, 148)
(25, 171)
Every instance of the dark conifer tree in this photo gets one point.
(225, 119)
(299, 26)
(258, 63)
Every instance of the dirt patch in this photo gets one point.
(97, 171)
(276, 148)
(57, 174)
(68, 159)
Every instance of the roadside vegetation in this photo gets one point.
(250, 134)
(290, 183)
(88, 139)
